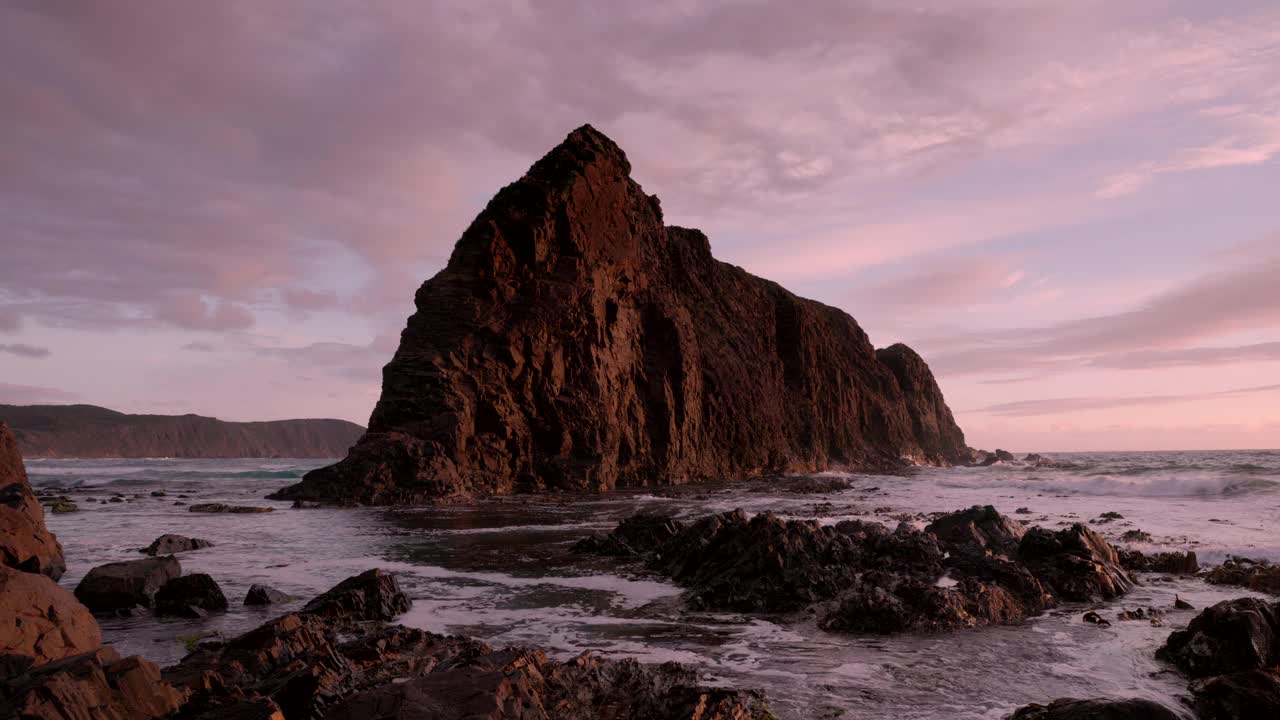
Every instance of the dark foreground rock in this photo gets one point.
(169, 544)
(1171, 563)
(337, 658)
(575, 342)
(263, 595)
(25, 543)
(225, 508)
(1067, 709)
(1257, 575)
(1239, 696)
(974, 567)
(1232, 653)
(1234, 635)
(190, 596)
(41, 621)
(94, 686)
(122, 585)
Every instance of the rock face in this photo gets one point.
(973, 567)
(122, 585)
(25, 543)
(87, 431)
(168, 544)
(42, 621)
(329, 661)
(574, 342)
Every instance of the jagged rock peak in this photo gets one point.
(575, 342)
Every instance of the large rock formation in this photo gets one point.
(25, 543)
(1232, 653)
(88, 431)
(575, 342)
(41, 621)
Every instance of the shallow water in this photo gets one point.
(501, 571)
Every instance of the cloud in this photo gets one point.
(27, 351)
(193, 312)
(9, 321)
(200, 347)
(1056, 406)
(1236, 298)
(947, 282)
(1193, 356)
(30, 395)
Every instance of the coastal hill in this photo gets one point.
(575, 342)
(88, 431)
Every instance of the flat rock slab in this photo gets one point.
(224, 508)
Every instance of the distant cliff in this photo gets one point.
(575, 342)
(87, 431)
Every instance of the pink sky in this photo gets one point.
(1069, 209)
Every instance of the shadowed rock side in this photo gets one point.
(1231, 652)
(574, 342)
(88, 431)
(25, 543)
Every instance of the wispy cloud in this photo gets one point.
(1057, 406)
(22, 350)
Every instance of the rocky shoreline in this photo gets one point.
(338, 657)
(342, 655)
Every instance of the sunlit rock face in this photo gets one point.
(575, 342)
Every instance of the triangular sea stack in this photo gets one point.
(575, 342)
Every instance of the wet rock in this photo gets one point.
(1067, 709)
(1075, 563)
(330, 662)
(225, 508)
(371, 595)
(1094, 618)
(1180, 604)
(527, 686)
(122, 585)
(699, 370)
(1239, 696)
(641, 533)
(25, 542)
(41, 621)
(980, 527)
(969, 568)
(1232, 636)
(98, 685)
(190, 596)
(1257, 575)
(1170, 563)
(263, 595)
(169, 544)
(1135, 536)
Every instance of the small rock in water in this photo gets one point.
(1022, 511)
(1096, 619)
(1181, 604)
(1136, 536)
(121, 585)
(169, 544)
(190, 596)
(225, 508)
(263, 595)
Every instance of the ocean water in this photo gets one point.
(500, 570)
